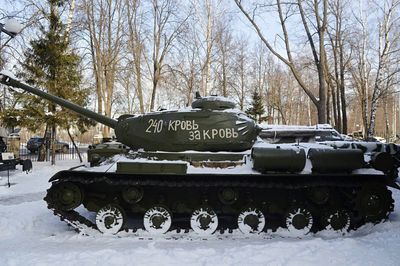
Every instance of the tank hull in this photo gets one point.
(274, 195)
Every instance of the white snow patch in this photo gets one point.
(8, 74)
(31, 235)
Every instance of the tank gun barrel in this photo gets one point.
(10, 81)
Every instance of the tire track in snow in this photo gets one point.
(18, 199)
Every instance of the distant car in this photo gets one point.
(34, 144)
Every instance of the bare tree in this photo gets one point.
(317, 10)
(338, 34)
(136, 42)
(185, 67)
(103, 19)
(205, 13)
(69, 20)
(29, 14)
(208, 14)
(225, 50)
(388, 57)
(240, 75)
(167, 26)
(375, 68)
(361, 68)
(209, 43)
(259, 70)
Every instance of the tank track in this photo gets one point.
(354, 184)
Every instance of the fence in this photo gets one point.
(70, 154)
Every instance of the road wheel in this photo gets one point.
(110, 219)
(299, 221)
(251, 220)
(204, 221)
(157, 220)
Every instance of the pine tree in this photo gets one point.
(51, 65)
(257, 109)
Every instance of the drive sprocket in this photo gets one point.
(374, 203)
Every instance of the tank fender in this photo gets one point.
(57, 176)
(394, 184)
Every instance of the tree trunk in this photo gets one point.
(341, 89)
(224, 78)
(75, 146)
(139, 88)
(335, 108)
(136, 47)
(387, 125)
(156, 77)
(207, 67)
(53, 144)
(328, 104)
(374, 109)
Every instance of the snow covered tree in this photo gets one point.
(257, 109)
(51, 65)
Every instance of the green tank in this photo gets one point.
(203, 170)
(208, 127)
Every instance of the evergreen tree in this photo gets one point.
(257, 109)
(51, 65)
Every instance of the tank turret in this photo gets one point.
(212, 124)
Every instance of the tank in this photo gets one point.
(203, 170)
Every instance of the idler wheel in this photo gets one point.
(338, 221)
(65, 196)
(299, 221)
(251, 220)
(157, 220)
(110, 219)
(374, 203)
(204, 221)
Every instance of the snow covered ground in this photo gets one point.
(31, 235)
